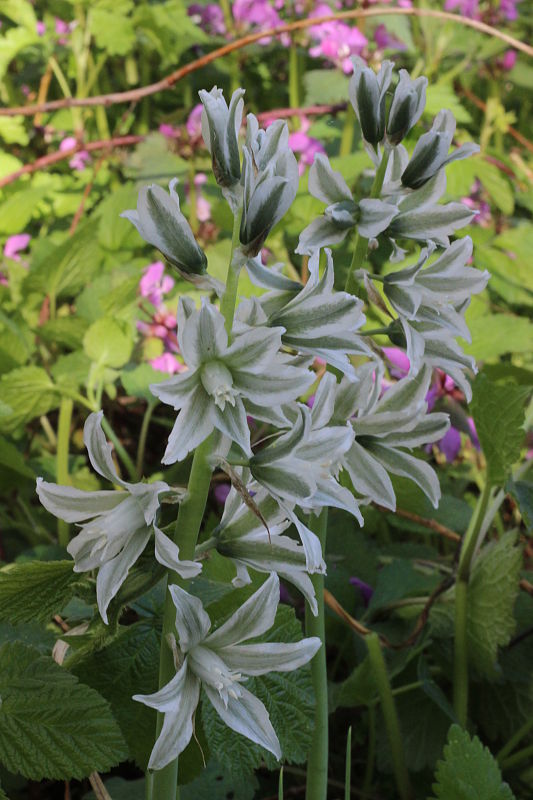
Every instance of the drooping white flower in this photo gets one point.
(117, 524)
(243, 537)
(407, 106)
(220, 663)
(368, 92)
(220, 131)
(222, 378)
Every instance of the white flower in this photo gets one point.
(220, 663)
(221, 376)
(117, 524)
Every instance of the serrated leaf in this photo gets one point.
(12, 129)
(128, 666)
(137, 381)
(66, 331)
(51, 726)
(492, 591)
(107, 342)
(468, 771)
(36, 590)
(498, 411)
(288, 698)
(27, 392)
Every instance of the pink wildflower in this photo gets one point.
(300, 142)
(336, 41)
(40, 27)
(194, 122)
(15, 244)
(167, 363)
(154, 284)
(79, 159)
(168, 130)
(209, 17)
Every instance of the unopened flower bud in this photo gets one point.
(367, 96)
(431, 151)
(407, 106)
(220, 131)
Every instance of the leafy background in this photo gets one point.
(71, 330)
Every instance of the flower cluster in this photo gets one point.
(255, 360)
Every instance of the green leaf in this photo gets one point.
(12, 458)
(491, 624)
(320, 87)
(51, 726)
(28, 392)
(442, 95)
(19, 208)
(112, 30)
(358, 689)
(216, 784)
(13, 129)
(468, 771)
(522, 492)
(35, 591)
(498, 411)
(108, 342)
(496, 334)
(288, 698)
(66, 331)
(65, 268)
(115, 233)
(137, 381)
(128, 665)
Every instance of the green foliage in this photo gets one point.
(51, 726)
(25, 393)
(498, 411)
(468, 771)
(490, 621)
(108, 343)
(37, 590)
(128, 665)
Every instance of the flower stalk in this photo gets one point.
(317, 760)
(63, 434)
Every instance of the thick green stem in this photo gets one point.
(361, 243)
(348, 131)
(518, 758)
(515, 739)
(121, 450)
(141, 448)
(392, 724)
(229, 298)
(317, 760)
(62, 476)
(460, 671)
(190, 515)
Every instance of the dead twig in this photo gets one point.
(432, 524)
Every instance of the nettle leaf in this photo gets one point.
(51, 726)
(498, 411)
(35, 591)
(27, 392)
(288, 698)
(468, 771)
(66, 268)
(493, 588)
(128, 665)
(108, 342)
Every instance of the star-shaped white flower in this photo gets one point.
(220, 663)
(117, 524)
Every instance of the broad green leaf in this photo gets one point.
(108, 342)
(71, 370)
(36, 590)
(128, 665)
(115, 233)
(137, 381)
(13, 42)
(112, 30)
(358, 689)
(13, 129)
(19, 11)
(51, 726)
(492, 593)
(12, 458)
(468, 771)
(320, 88)
(442, 95)
(66, 331)
(65, 268)
(19, 208)
(496, 334)
(28, 392)
(498, 411)
(32, 634)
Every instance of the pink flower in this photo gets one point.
(398, 359)
(209, 17)
(167, 363)
(40, 27)
(467, 8)
(168, 130)
(384, 40)
(203, 206)
(194, 122)
(154, 284)
(15, 244)
(509, 60)
(336, 41)
(508, 9)
(258, 14)
(308, 147)
(63, 29)
(78, 159)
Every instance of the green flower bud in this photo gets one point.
(368, 95)
(407, 106)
